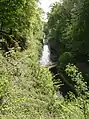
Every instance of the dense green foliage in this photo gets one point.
(27, 89)
(19, 20)
(26, 93)
(67, 31)
(68, 26)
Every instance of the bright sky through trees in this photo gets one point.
(45, 5)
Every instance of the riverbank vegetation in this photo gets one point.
(67, 32)
(29, 90)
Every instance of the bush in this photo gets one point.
(30, 89)
(77, 78)
(65, 58)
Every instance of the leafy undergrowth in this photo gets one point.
(28, 88)
(27, 92)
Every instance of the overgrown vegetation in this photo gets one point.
(67, 31)
(27, 90)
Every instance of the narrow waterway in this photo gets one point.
(45, 58)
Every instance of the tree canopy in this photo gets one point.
(68, 24)
(29, 90)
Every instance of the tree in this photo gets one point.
(19, 20)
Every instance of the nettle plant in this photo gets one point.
(80, 102)
(77, 78)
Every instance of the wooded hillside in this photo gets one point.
(29, 90)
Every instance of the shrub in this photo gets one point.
(65, 58)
